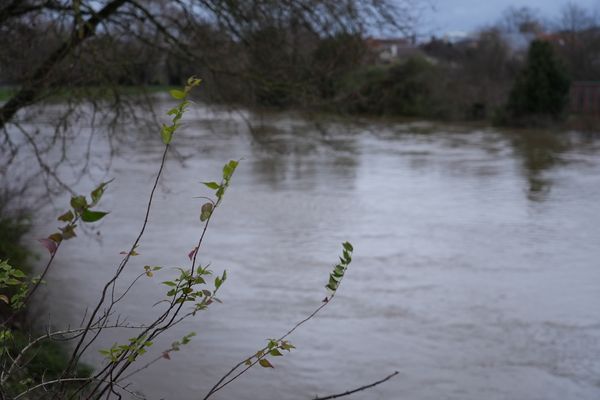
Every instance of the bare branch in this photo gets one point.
(349, 392)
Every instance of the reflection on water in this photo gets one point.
(462, 279)
(539, 151)
(296, 159)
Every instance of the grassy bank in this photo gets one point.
(6, 92)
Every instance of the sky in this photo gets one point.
(448, 16)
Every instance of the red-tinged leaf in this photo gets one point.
(192, 253)
(166, 355)
(265, 363)
(49, 244)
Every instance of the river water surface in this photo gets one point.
(476, 272)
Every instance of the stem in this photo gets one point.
(334, 396)
(220, 385)
(120, 269)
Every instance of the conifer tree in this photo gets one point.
(541, 89)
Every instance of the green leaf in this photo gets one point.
(177, 94)
(166, 134)
(4, 298)
(17, 273)
(227, 171)
(92, 216)
(67, 217)
(333, 282)
(169, 283)
(193, 81)
(97, 193)
(275, 353)
(68, 232)
(233, 164)
(78, 203)
(206, 211)
(348, 246)
(287, 345)
(347, 258)
(56, 237)
(265, 363)
(212, 185)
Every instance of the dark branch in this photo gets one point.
(29, 93)
(349, 392)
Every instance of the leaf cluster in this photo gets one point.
(14, 279)
(274, 348)
(336, 276)
(177, 112)
(81, 209)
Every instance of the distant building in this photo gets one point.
(390, 50)
(585, 98)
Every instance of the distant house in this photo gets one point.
(390, 50)
(585, 98)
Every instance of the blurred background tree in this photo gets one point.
(541, 89)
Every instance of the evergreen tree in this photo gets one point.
(542, 87)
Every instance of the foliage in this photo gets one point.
(333, 58)
(405, 89)
(541, 89)
(191, 291)
(46, 360)
(12, 229)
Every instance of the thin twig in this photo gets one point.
(222, 382)
(349, 392)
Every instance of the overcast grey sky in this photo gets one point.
(468, 15)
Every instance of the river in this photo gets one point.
(476, 270)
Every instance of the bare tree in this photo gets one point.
(86, 51)
(578, 42)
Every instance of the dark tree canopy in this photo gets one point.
(46, 44)
(542, 87)
(89, 53)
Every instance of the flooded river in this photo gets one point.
(476, 272)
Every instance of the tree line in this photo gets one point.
(289, 54)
